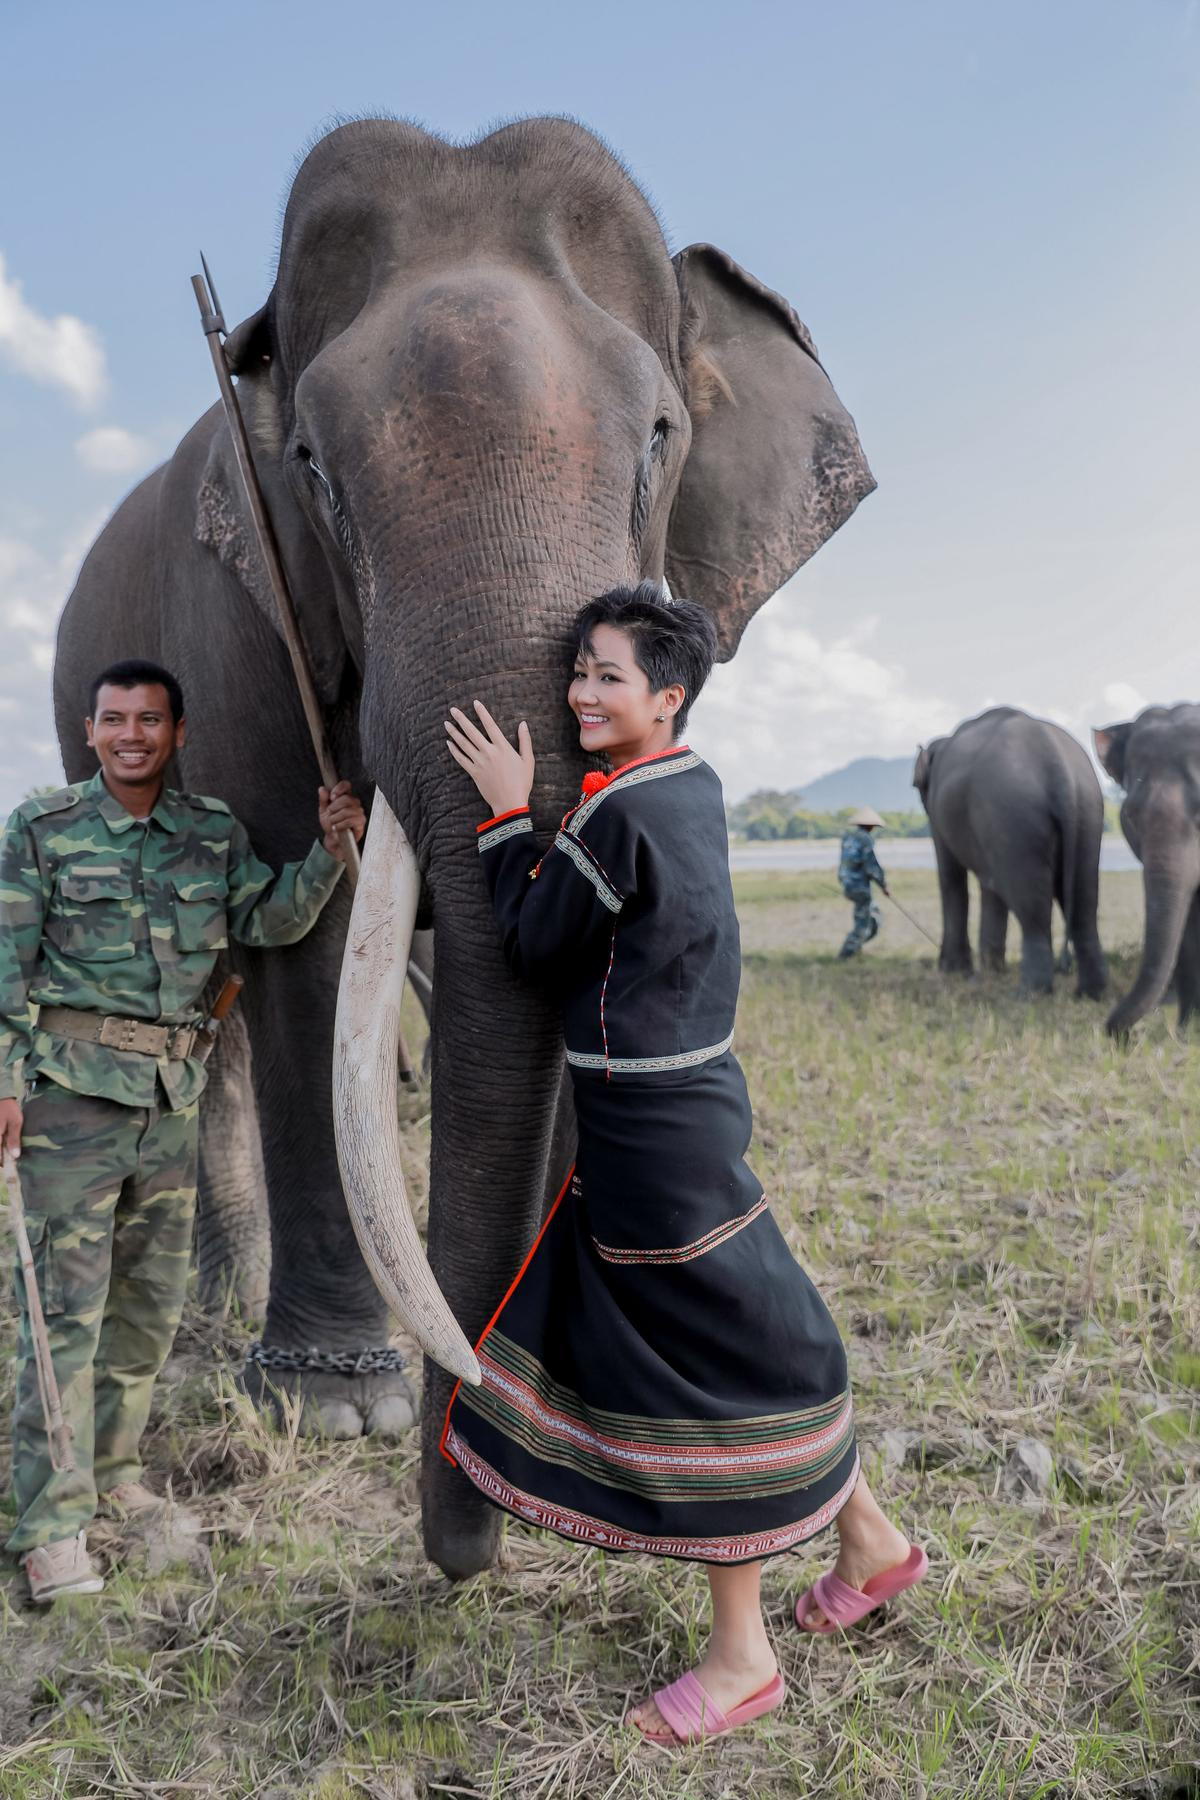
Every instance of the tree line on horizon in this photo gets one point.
(767, 814)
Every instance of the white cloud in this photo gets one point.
(789, 707)
(1120, 702)
(111, 450)
(61, 352)
(34, 584)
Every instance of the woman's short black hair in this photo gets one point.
(136, 672)
(674, 641)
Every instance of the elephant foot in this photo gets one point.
(956, 966)
(378, 1403)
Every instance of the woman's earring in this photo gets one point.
(661, 718)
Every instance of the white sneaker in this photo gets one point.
(61, 1568)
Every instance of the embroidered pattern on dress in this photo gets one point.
(708, 1459)
(588, 1530)
(498, 833)
(647, 1065)
(720, 1234)
(590, 869)
(651, 771)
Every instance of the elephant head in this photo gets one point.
(1156, 759)
(481, 391)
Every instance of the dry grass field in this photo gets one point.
(1000, 1207)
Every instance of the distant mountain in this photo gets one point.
(882, 782)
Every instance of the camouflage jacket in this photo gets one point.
(859, 865)
(112, 914)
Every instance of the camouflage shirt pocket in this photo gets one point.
(89, 915)
(200, 921)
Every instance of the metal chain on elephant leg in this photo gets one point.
(377, 1360)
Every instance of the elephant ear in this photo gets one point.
(223, 522)
(775, 464)
(923, 767)
(1110, 743)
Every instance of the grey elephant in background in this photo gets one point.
(1156, 759)
(480, 391)
(1015, 801)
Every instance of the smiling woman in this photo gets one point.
(609, 1408)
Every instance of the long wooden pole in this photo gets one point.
(58, 1432)
(214, 330)
(213, 324)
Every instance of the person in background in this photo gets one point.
(858, 868)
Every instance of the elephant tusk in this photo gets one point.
(365, 1126)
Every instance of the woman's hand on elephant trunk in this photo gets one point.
(504, 776)
(338, 810)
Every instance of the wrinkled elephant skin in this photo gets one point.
(480, 392)
(1015, 801)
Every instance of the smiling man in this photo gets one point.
(117, 895)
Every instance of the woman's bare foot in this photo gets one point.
(869, 1545)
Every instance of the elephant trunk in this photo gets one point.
(1170, 883)
(366, 1130)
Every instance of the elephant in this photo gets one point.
(480, 391)
(1015, 801)
(1156, 759)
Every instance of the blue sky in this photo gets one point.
(985, 214)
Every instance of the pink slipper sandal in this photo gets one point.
(844, 1605)
(694, 1715)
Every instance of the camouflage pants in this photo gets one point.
(865, 926)
(110, 1195)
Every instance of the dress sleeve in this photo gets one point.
(557, 908)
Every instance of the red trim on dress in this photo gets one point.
(499, 819)
(588, 1530)
(599, 782)
(513, 1286)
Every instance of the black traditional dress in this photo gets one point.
(662, 1375)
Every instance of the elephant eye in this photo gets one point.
(317, 472)
(656, 452)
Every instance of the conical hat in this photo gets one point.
(866, 815)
